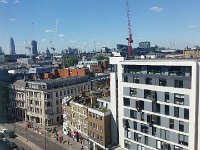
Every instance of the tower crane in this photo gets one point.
(130, 39)
(51, 42)
(29, 48)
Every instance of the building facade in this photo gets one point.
(44, 98)
(156, 103)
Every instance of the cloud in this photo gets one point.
(61, 35)
(194, 26)
(156, 9)
(43, 40)
(49, 31)
(72, 41)
(12, 19)
(16, 1)
(4, 1)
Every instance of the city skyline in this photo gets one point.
(80, 22)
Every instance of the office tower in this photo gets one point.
(144, 45)
(12, 46)
(34, 47)
(155, 103)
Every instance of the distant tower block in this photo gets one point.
(34, 47)
(12, 46)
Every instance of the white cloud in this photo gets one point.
(72, 41)
(156, 9)
(11, 19)
(194, 26)
(4, 1)
(43, 40)
(61, 35)
(16, 1)
(48, 31)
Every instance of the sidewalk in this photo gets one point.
(73, 145)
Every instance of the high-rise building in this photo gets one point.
(12, 46)
(144, 45)
(34, 47)
(155, 104)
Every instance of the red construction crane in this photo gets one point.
(130, 40)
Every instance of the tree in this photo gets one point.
(101, 57)
(72, 61)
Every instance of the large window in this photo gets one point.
(183, 139)
(181, 126)
(133, 92)
(136, 80)
(186, 113)
(178, 83)
(126, 101)
(179, 99)
(133, 114)
(167, 97)
(156, 107)
(164, 134)
(176, 112)
(137, 137)
(171, 123)
(152, 95)
(162, 82)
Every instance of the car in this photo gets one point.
(9, 133)
(3, 130)
(20, 148)
(12, 145)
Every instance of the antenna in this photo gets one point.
(130, 40)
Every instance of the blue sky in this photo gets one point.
(80, 21)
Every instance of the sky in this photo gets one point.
(168, 23)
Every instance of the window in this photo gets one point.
(125, 79)
(162, 82)
(144, 128)
(156, 119)
(146, 140)
(126, 101)
(60, 93)
(128, 134)
(166, 110)
(167, 97)
(153, 130)
(156, 107)
(127, 144)
(133, 114)
(158, 144)
(149, 81)
(137, 137)
(56, 94)
(178, 83)
(142, 116)
(56, 102)
(186, 113)
(136, 80)
(171, 123)
(135, 125)
(183, 139)
(64, 92)
(139, 105)
(181, 126)
(164, 134)
(133, 92)
(176, 112)
(178, 148)
(179, 99)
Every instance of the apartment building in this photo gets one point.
(155, 104)
(18, 100)
(87, 122)
(44, 98)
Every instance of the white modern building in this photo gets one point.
(155, 104)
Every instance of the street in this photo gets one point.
(30, 136)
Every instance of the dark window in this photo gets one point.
(179, 99)
(127, 144)
(171, 123)
(186, 113)
(135, 125)
(139, 105)
(162, 82)
(56, 94)
(176, 112)
(126, 101)
(142, 116)
(167, 97)
(156, 107)
(133, 114)
(60, 93)
(144, 128)
(125, 79)
(136, 80)
(153, 130)
(146, 140)
(178, 83)
(166, 110)
(183, 139)
(181, 126)
(149, 81)
(133, 92)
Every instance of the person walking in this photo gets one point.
(82, 148)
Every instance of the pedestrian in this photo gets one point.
(68, 142)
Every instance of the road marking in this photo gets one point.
(37, 139)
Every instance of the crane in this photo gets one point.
(130, 39)
(29, 48)
(51, 42)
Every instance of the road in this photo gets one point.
(35, 138)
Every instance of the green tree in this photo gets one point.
(102, 57)
(72, 61)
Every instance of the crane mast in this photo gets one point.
(130, 39)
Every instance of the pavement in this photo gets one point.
(36, 141)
